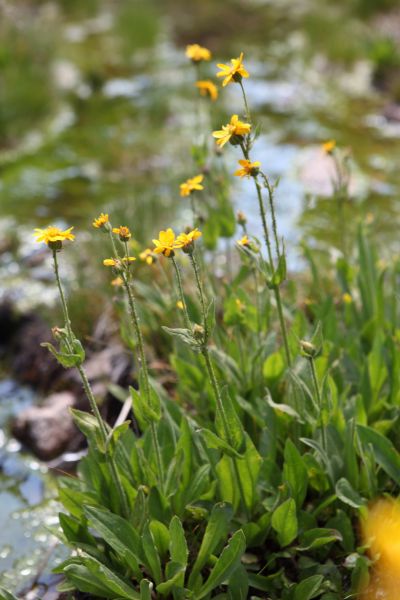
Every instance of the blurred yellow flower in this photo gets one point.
(233, 72)
(197, 53)
(191, 185)
(100, 221)
(381, 530)
(147, 256)
(166, 243)
(186, 240)
(123, 232)
(329, 146)
(207, 88)
(234, 127)
(52, 235)
(244, 242)
(179, 304)
(248, 168)
(347, 298)
(110, 262)
(117, 282)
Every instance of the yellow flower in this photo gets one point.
(128, 259)
(244, 242)
(117, 282)
(186, 240)
(240, 305)
(123, 232)
(191, 185)
(53, 236)
(197, 53)
(110, 262)
(235, 127)
(179, 304)
(207, 88)
(381, 529)
(100, 221)
(248, 168)
(329, 146)
(147, 256)
(166, 243)
(233, 72)
(347, 299)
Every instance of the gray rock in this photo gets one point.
(48, 430)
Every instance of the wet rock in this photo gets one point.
(48, 430)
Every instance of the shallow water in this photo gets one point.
(98, 114)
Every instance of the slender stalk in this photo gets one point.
(213, 379)
(246, 106)
(200, 293)
(319, 400)
(89, 394)
(221, 408)
(182, 297)
(143, 366)
(273, 215)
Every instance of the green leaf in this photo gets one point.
(295, 473)
(184, 335)
(210, 317)
(92, 576)
(216, 530)
(238, 584)
(273, 368)
(118, 533)
(248, 470)
(151, 554)
(284, 522)
(385, 453)
(175, 579)
(178, 549)
(145, 589)
(225, 565)
(160, 536)
(141, 407)
(346, 493)
(213, 441)
(317, 537)
(308, 588)
(228, 425)
(90, 428)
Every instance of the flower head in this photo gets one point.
(329, 146)
(147, 256)
(117, 282)
(233, 72)
(123, 232)
(249, 169)
(116, 262)
(244, 242)
(166, 243)
(241, 218)
(381, 530)
(197, 53)
(100, 221)
(207, 88)
(191, 185)
(53, 236)
(233, 128)
(186, 240)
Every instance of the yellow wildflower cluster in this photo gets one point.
(100, 221)
(248, 168)
(167, 243)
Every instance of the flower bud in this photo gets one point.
(198, 331)
(309, 350)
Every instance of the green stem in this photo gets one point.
(279, 305)
(319, 400)
(62, 298)
(220, 404)
(273, 216)
(145, 371)
(181, 295)
(200, 294)
(103, 430)
(248, 115)
(89, 394)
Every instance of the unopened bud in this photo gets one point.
(308, 349)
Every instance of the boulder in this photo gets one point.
(48, 430)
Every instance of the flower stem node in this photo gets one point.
(308, 349)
